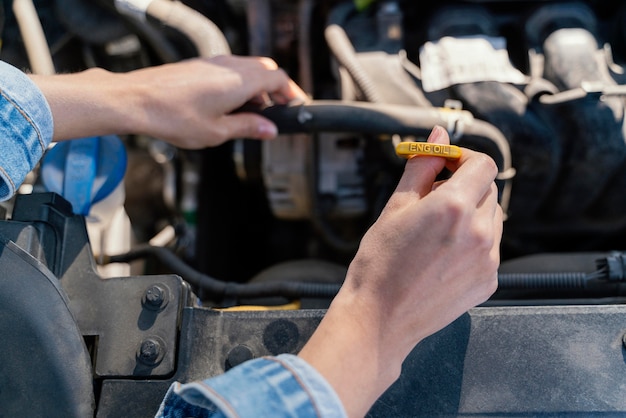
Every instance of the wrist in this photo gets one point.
(351, 350)
(92, 102)
(120, 102)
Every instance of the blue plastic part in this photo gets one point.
(84, 171)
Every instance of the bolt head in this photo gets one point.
(155, 297)
(151, 351)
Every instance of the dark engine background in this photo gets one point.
(244, 207)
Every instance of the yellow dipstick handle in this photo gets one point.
(412, 149)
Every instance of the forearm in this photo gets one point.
(189, 104)
(90, 103)
(353, 352)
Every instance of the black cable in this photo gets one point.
(232, 292)
(221, 290)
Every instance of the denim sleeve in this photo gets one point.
(26, 128)
(282, 386)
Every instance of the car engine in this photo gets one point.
(206, 258)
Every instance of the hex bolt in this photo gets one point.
(155, 297)
(150, 351)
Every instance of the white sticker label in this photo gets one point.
(450, 61)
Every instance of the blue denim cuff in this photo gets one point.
(26, 128)
(282, 386)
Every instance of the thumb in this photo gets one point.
(420, 172)
(249, 125)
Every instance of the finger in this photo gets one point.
(420, 172)
(483, 215)
(490, 199)
(286, 90)
(486, 213)
(499, 222)
(437, 184)
(269, 78)
(495, 219)
(247, 125)
(294, 95)
(259, 75)
(489, 220)
(473, 175)
(495, 249)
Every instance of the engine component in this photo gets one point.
(465, 58)
(201, 31)
(100, 362)
(537, 85)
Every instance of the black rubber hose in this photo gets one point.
(386, 119)
(206, 36)
(233, 292)
(221, 290)
(380, 119)
(90, 21)
(353, 116)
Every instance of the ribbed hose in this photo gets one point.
(547, 281)
(344, 52)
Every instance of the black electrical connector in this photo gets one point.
(613, 267)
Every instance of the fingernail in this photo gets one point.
(298, 101)
(267, 130)
(436, 133)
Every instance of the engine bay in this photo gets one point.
(537, 85)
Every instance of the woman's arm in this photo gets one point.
(188, 103)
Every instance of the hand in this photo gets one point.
(432, 254)
(434, 251)
(188, 103)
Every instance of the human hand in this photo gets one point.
(434, 251)
(188, 103)
(432, 254)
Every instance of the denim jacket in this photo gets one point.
(276, 387)
(26, 128)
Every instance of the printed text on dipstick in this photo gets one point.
(428, 148)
